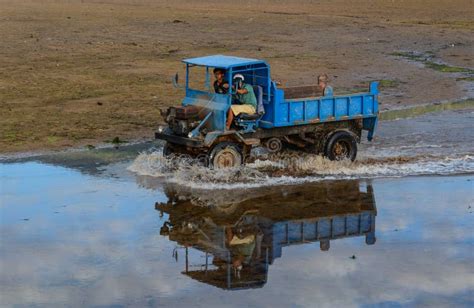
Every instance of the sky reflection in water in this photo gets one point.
(74, 239)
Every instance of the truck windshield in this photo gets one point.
(200, 78)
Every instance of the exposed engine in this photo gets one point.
(182, 119)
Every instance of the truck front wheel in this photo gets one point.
(341, 145)
(225, 155)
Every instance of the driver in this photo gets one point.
(245, 100)
(221, 86)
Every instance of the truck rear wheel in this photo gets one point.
(341, 145)
(225, 155)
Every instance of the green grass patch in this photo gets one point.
(469, 79)
(52, 139)
(446, 68)
(11, 136)
(409, 55)
(388, 83)
(425, 60)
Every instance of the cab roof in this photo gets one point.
(222, 61)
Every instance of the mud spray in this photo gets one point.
(293, 168)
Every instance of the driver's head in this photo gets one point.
(219, 73)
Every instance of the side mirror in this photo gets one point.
(176, 81)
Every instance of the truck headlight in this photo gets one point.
(190, 135)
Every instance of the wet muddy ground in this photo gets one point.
(112, 227)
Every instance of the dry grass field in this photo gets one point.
(74, 73)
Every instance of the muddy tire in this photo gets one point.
(341, 145)
(225, 155)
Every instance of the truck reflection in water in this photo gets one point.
(239, 241)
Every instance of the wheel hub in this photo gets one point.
(225, 159)
(340, 149)
(274, 145)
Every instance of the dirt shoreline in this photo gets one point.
(75, 73)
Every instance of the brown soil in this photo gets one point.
(83, 72)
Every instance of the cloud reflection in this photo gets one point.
(93, 254)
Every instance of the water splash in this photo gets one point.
(293, 168)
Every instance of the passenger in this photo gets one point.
(323, 81)
(221, 86)
(245, 100)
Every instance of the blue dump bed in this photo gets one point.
(294, 232)
(310, 110)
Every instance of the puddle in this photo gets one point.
(71, 238)
(91, 161)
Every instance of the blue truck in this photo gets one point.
(300, 117)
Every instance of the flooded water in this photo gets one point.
(112, 228)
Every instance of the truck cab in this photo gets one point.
(299, 116)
